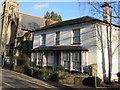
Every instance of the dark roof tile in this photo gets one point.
(32, 23)
(60, 48)
(68, 22)
(72, 22)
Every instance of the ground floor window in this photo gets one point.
(66, 59)
(72, 60)
(40, 59)
(37, 58)
(34, 58)
(76, 59)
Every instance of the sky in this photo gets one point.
(68, 10)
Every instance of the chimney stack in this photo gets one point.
(48, 22)
(107, 12)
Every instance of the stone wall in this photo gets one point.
(67, 78)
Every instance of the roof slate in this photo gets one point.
(60, 48)
(68, 22)
(72, 22)
(32, 23)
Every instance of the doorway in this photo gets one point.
(57, 59)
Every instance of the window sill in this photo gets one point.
(57, 44)
(76, 44)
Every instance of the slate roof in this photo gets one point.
(72, 22)
(60, 48)
(68, 22)
(31, 23)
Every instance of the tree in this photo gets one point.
(96, 10)
(53, 16)
(47, 15)
(109, 36)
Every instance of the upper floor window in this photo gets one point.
(43, 39)
(76, 36)
(57, 38)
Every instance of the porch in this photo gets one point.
(71, 57)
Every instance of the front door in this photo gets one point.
(57, 59)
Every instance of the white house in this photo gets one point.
(77, 44)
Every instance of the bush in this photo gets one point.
(60, 68)
(18, 69)
(118, 74)
(41, 73)
(90, 81)
(36, 72)
(44, 75)
(53, 77)
(23, 60)
(27, 70)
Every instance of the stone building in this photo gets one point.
(16, 27)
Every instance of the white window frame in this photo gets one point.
(66, 59)
(39, 59)
(43, 39)
(76, 60)
(57, 38)
(76, 37)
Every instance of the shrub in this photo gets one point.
(27, 70)
(90, 81)
(18, 69)
(45, 75)
(60, 68)
(36, 72)
(41, 73)
(53, 77)
(23, 60)
(118, 74)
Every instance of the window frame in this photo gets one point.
(77, 36)
(57, 38)
(76, 59)
(66, 59)
(43, 39)
(40, 59)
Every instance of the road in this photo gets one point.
(12, 79)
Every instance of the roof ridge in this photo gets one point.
(34, 16)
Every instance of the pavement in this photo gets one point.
(13, 80)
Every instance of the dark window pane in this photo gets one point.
(43, 39)
(40, 59)
(57, 38)
(76, 36)
(76, 57)
(66, 60)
